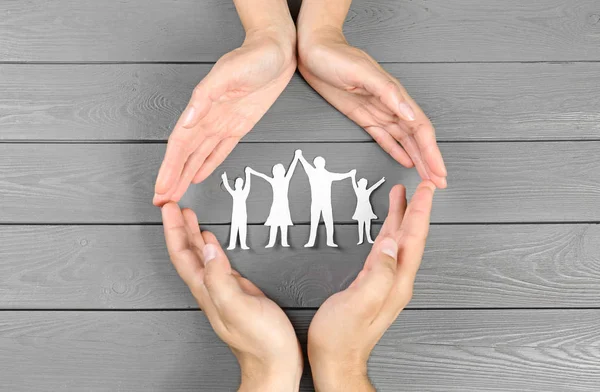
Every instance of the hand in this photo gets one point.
(298, 153)
(255, 328)
(224, 107)
(359, 87)
(338, 356)
(247, 170)
(224, 177)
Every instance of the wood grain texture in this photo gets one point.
(489, 182)
(537, 101)
(127, 267)
(507, 350)
(185, 30)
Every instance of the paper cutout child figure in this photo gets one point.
(364, 211)
(320, 190)
(239, 213)
(279, 216)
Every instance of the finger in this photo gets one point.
(415, 228)
(396, 210)
(390, 145)
(221, 283)
(221, 151)
(382, 86)
(185, 260)
(191, 167)
(425, 138)
(371, 290)
(196, 239)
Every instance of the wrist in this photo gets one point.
(321, 20)
(270, 378)
(337, 376)
(281, 38)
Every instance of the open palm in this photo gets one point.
(359, 87)
(223, 108)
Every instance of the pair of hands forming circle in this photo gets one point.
(224, 107)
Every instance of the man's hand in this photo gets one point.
(359, 87)
(255, 328)
(224, 107)
(349, 324)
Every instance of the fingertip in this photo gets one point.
(428, 184)
(171, 215)
(398, 192)
(388, 246)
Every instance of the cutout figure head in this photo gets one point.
(278, 170)
(362, 183)
(238, 183)
(319, 162)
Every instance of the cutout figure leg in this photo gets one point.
(361, 227)
(368, 231)
(315, 215)
(233, 236)
(284, 237)
(243, 231)
(272, 237)
(328, 219)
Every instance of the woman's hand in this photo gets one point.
(349, 324)
(353, 82)
(255, 328)
(224, 107)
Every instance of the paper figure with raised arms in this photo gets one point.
(320, 190)
(239, 213)
(364, 211)
(279, 216)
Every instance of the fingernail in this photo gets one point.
(389, 247)
(188, 116)
(209, 252)
(406, 111)
(444, 182)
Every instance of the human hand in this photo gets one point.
(255, 328)
(359, 87)
(223, 108)
(349, 324)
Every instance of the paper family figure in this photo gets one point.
(239, 213)
(279, 216)
(364, 211)
(320, 191)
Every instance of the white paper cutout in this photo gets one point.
(364, 211)
(320, 190)
(239, 213)
(279, 216)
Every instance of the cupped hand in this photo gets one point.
(223, 108)
(255, 328)
(353, 82)
(349, 324)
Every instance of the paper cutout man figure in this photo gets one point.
(239, 213)
(364, 211)
(279, 216)
(320, 190)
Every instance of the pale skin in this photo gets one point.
(258, 331)
(244, 84)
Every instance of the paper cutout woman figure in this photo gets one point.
(364, 211)
(279, 216)
(239, 213)
(321, 180)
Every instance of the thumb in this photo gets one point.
(377, 278)
(221, 284)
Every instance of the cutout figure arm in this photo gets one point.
(307, 166)
(354, 184)
(261, 175)
(246, 188)
(342, 176)
(376, 185)
(226, 183)
(292, 167)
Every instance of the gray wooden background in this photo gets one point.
(507, 298)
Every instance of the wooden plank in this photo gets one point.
(488, 182)
(508, 350)
(520, 101)
(185, 30)
(127, 267)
